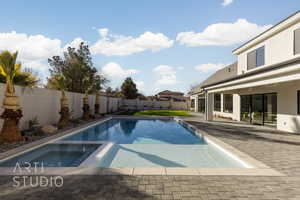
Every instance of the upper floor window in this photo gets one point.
(297, 41)
(256, 58)
(217, 102)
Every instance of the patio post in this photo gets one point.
(209, 106)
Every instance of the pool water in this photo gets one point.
(136, 143)
(165, 155)
(53, 155)
(133, 131)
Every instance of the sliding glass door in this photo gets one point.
(257, 114)
(259, 109)
(246, 108)
(201, 105)
(270, 109)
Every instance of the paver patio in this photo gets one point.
(280, 151)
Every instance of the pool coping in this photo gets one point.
(255, 167)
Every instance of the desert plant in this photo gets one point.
(33, 123)
(12, 110)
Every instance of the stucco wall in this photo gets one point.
(45, 104)
(278, 48)
(152, 105)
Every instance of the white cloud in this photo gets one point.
(140, 85)
(30, 47)
(34, 50)
(222, 34)
(114, 70)
(166, 75)
(227, 2)
(74, 43)
(210, 67)
(119, 45)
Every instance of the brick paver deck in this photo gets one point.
(280, 151)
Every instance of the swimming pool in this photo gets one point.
(138, 131)
(131, 142)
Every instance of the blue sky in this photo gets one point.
(162, 44)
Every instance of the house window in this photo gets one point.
(298, 101)
(297, 41)
(256, 58)
(228, 103)
(193, 103)
(217, 102)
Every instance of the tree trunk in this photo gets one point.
(97, 104)
(10, 130)
(64, 117)
(86, 109)
(64, 112)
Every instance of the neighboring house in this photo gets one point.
(168, 95)
(263, 86)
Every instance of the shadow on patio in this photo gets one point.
(231, 130)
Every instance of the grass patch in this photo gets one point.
(164, 113)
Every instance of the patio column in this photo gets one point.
(237, 107)
(209, 106)
(196, 104)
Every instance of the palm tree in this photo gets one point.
(12, 110)
(99, 82)
(23, 78)
(64, 106)
(88, 83)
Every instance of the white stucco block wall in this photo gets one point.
(45, 104)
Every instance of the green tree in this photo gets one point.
(76, 66)
(99, 82)
(128, 89)
(118, 93)
(109, 91)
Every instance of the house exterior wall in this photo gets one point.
(282, 76)
(278, 48)
(287, 116)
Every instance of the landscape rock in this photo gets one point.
(49, 129)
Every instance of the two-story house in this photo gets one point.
(168, 95)
(263, 87)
